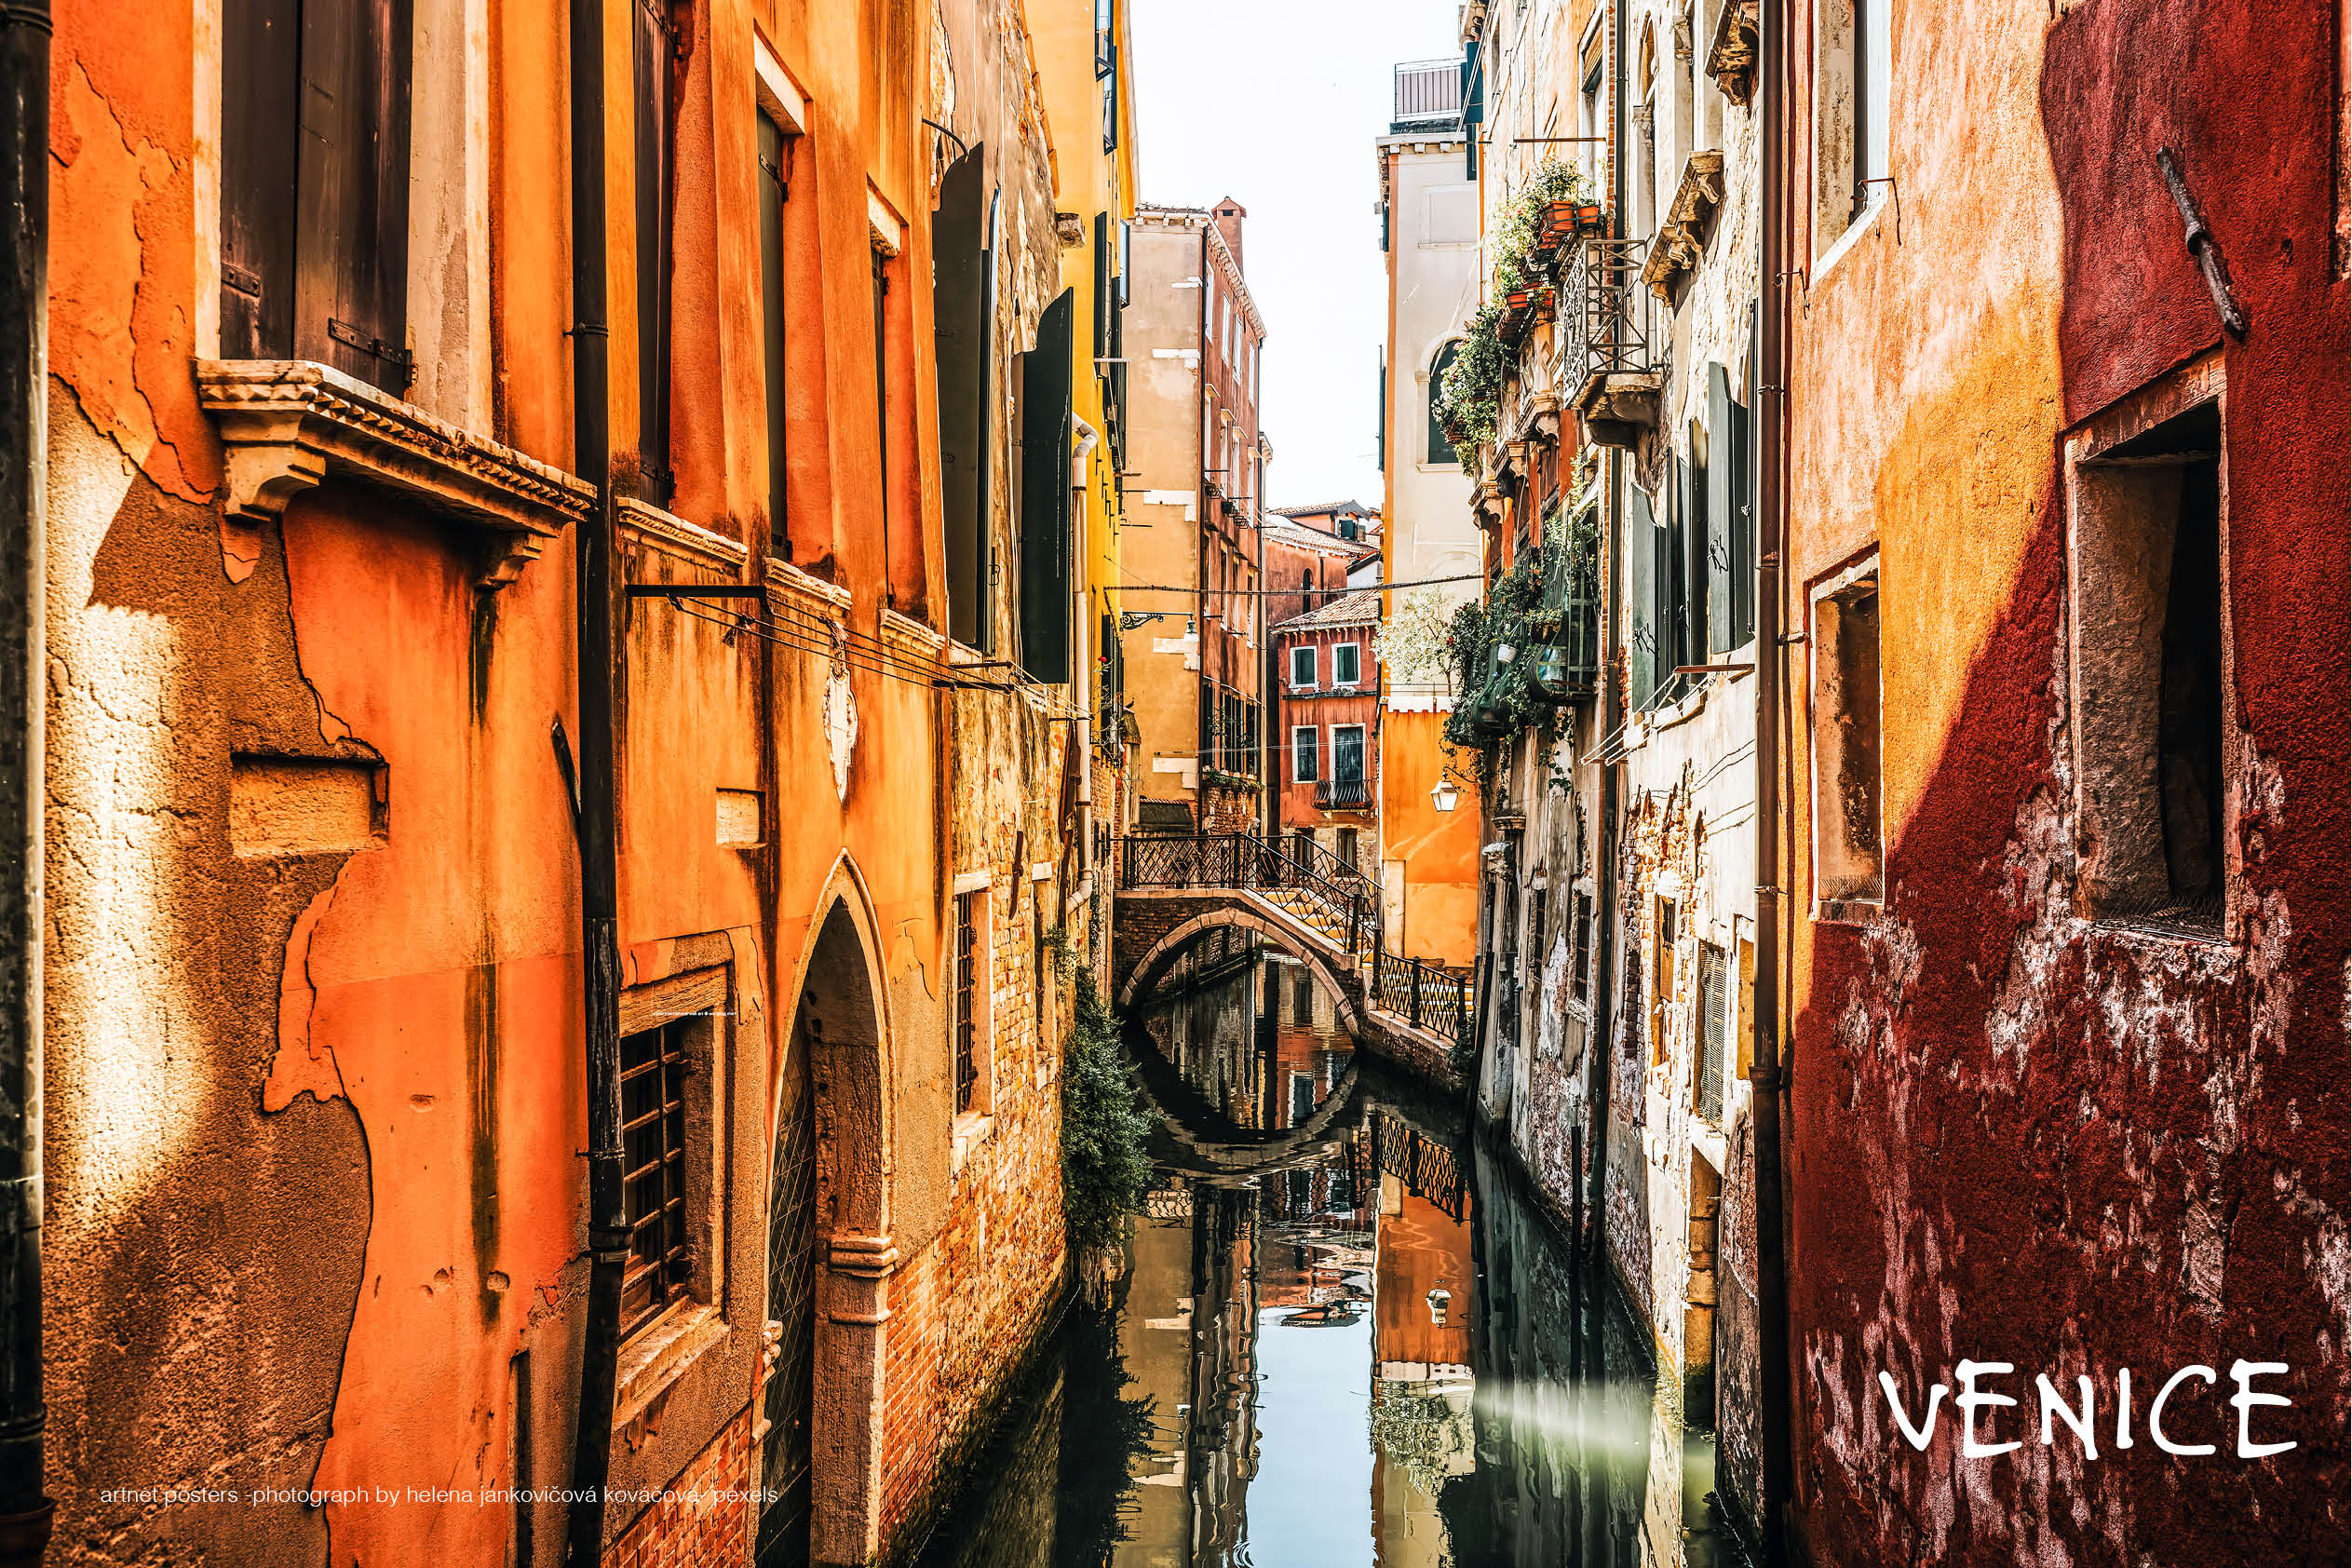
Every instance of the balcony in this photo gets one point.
(1618, 397)
(1427, 98)
(1343, 795)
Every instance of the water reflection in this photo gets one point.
(1344, 1337)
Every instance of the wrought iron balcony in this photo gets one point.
(1619, 398)
(1342, 794)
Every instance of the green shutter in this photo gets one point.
(1641, 596)
(960, 344)
(1044, 496)
(1723, 478)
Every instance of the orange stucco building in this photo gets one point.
(317, 1094)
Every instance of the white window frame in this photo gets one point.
(1305, 761)
(1354, 680)
(1314, 676)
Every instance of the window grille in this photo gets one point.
(966, 1071)
(654, 1138)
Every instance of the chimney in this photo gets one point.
(1229, 215)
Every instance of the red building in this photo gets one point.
(1327, 681)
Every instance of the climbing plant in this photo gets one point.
(1470, 397)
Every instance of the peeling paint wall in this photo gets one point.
(2016, 1134)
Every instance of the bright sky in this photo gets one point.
(1275, 103)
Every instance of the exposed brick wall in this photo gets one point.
(703, 1517)
(965, 1312)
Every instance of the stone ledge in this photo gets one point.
(290, 426)
(649, 527)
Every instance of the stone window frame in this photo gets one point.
(2180, 391)
(1306, 764)
(1846, 905)
(658, 1351)
(1314, 674)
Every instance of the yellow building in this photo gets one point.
(1081, 57)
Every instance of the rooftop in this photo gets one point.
(1353, 609)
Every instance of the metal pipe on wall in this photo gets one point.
(25, 1510)
(591, 456)
(1767, 1076)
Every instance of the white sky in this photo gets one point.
(1277, 103)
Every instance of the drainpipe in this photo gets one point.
(591, 456)
(25, 1510)
(1772, 384)
(1605, 838)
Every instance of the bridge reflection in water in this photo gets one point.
(1345, 1338)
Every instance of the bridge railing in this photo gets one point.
(1346, 902)
(1423, 995)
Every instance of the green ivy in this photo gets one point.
(1480, 627)
(1103, 1168)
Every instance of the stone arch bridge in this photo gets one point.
(1305, 901)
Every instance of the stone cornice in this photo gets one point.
(289, 425)
(651, 527)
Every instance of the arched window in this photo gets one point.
(1440, 450)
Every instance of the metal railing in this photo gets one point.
(1342, 794)
(1429, 89)
(1423, 995)
(1339, 899)
(1617, 307)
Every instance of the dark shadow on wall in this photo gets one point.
(199, 1306)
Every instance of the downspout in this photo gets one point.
(1605, 838)
(1203, 701)
(591, 457)
(1772, 385)
(25, 1510)
(1088, 629)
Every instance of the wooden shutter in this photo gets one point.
(1746, 438)
(261, 77)
(351, 238)
(1691, 563)
(1721, 481)
(1102, 292)
(649, 66)
(1044, 496)
(1642, 560)
(772, 196)
(959, 338)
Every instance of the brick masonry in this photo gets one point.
(704, 1516)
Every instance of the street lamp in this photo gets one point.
(1443, 795)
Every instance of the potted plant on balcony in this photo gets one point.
(1471, 392)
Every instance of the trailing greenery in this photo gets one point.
(1495, 700)
(1469, 400)
(1103, 1168)
(1472, 392)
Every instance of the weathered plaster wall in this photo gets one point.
(2015, 1135)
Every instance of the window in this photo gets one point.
(314, 185)
(964, 309)
(1346, 664)
(1347, 847)
(2150, 669)
(1848, 859)
(881, 389)
(650, 52)
(654, 1191)
(1302, 662)
(1580, 960)
(1307, 745)
(772, 189)
(1534, 950)
(1714, 1030)
(1662, 979)
(1347, 754)
(1852, 75)
(970, 1052)
(1440, 450)
(1046, 565)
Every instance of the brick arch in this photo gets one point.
(1156, 956)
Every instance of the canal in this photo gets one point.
(1344, 1336)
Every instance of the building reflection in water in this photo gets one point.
(1343, 1337)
